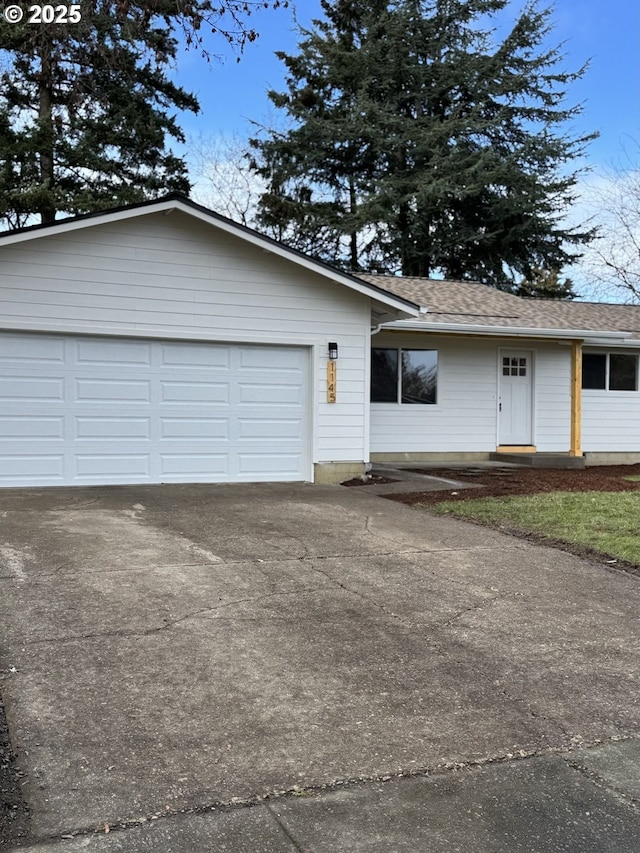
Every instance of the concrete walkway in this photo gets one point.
(310, 668)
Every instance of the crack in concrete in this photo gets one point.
(169, 624)
(66, 570)
(368, 522)
(265, 799)
(479, 605)
(284, 829)
(601, 782)
(364, 597)
(535, 714)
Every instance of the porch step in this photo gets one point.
(540, 460)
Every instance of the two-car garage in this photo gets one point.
(163, 343)
(95, 410)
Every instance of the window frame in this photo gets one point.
(607, 372)
(399, 375)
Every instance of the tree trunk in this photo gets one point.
(353, 236)
(47, 208)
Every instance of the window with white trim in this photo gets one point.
(404, 375)
(609, 371)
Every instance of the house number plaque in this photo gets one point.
(331, 381)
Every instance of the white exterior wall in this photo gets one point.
(552, 399)
(177, 278)
(465, 417)
(610, 420)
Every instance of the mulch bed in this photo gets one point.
(500, 482)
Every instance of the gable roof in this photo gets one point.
(472, 307)
(175, 201)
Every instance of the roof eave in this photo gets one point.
(597, 338)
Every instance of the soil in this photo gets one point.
(14, 814)
(499, 482)
(369, 480)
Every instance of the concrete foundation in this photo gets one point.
(332, 473)
(541, 460)
(602, 458)
(388, 458)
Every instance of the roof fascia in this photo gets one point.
(166, 206)
(595, 337)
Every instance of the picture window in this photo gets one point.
(404, 376)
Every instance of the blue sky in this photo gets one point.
(604, 32)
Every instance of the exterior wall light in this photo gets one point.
(333, 352)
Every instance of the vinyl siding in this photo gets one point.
(552, 402)
(610, 421)
(464, 416)
(174, 277)
(464, 419)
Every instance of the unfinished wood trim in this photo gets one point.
(576, 399)
(516, 448)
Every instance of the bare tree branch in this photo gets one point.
(222, 177)
(613, 260)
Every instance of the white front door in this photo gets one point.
(514, 400)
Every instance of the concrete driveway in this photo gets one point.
(170, 648)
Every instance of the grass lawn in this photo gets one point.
(607, 522)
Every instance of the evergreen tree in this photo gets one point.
(88, 107)
(85, 111)
(418, 145)
(546, 284)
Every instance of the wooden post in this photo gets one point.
(576, 399)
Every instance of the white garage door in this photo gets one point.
(81, 410)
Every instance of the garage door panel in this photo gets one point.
(109, 466)
(31, 389)
(103, 391)
(189, 465)
(260, 429)
(194, 392)
(269, 394)
(31, 427)
(191, 429)
(32, 350)
(189, 356)
(276, 466)
(268, 358)
(112, 429)
(90, 411)
(34, 468)
(103, 353)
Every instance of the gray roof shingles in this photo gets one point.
(473, 304)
